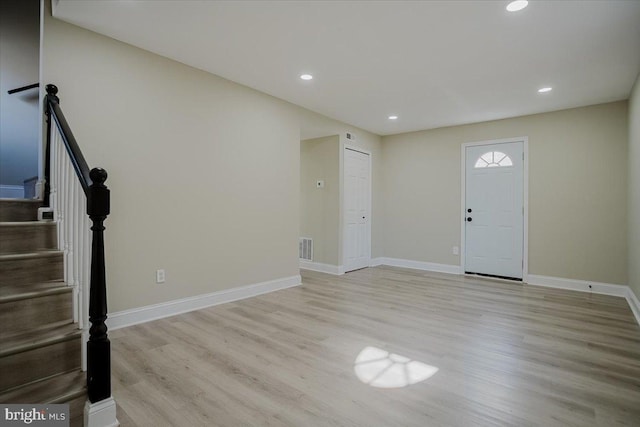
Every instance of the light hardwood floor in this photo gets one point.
(506, 354)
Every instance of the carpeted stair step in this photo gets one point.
(32, 267)
(40, 346)
(39, 354)
(29, 306)
(69, 388)
(12, 210)
(27, 236)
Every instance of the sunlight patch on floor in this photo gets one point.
(379, 368)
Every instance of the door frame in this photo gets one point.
(525, 196)
(345, 146)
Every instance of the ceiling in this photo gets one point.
(431, 63)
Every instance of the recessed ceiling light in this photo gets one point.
(393, 117)
(517, 5)
(306, 76)
(545, 89)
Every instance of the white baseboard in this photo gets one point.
(376, 262)
(634, 303)
(148, 313)
(11, 191)
(322, 268)
(101, 414)
(531, 279)
(623, 291)
(578, 285)
(419, 265)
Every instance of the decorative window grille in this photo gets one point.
(493, 159)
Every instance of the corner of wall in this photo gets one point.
(633, 216)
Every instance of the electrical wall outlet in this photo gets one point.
(160, 276)
(456, 250)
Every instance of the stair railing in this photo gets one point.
(77, 195)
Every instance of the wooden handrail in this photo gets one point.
(98, 207)
(23, 88)
(75, 154)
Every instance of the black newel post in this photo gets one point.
(98, 347)
(52, 91)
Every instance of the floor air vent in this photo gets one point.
(306, 249)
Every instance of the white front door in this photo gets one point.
(494, 209)
(357, 230)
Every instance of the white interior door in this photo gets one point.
(494, 209)
(357, 230)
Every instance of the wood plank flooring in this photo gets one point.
(506, 355)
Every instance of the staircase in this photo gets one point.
(40, 345)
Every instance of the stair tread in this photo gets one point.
(26, 255)
(9, 293)
(41, 337)
(56, 389)
(47, 223)
(19, 209)
(41, 351)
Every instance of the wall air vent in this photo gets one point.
(305, 249)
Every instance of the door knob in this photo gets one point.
(469, 219)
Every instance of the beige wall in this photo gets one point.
(313, 125)
(634, 189)
(204, 173)
(319, 207)
(577, 191)
(205, 176)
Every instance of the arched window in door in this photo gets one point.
(493, 159)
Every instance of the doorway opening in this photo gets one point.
(20, 121)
